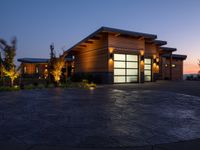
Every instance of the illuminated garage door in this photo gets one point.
(147, 69)
(125, 68)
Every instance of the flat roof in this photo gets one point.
(33, 60)
(168, 49)
(175, 56)
(160, 42)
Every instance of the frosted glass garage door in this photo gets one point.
(147, 69)
(125, 68)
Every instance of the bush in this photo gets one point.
(7, 88)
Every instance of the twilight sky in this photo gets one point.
(38, 23)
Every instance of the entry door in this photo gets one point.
(125, 68)
(147, 69)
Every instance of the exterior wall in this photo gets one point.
(91, 62)
(177, 71)
(151, 51)
(93, 57)
(124, 45)
(31, 70)
(125, 42)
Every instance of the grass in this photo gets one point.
(7, 88)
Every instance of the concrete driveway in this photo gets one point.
(111, 116)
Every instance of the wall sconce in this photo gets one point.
(111, 56)
(142, 57)
(157, 61)
(154, 61)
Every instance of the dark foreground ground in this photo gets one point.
(159, 116)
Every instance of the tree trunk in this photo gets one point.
(11, 82)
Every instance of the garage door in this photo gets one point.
(125, 68)
(147, 69)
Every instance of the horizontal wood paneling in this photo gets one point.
(125, 42)
(93, 58)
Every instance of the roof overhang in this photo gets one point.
(160, 43)
(175, 56)
(33, 60)
(118, 32)
(167, 49)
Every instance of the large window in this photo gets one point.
(147, 69)
(125, 68)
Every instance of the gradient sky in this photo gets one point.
(38, 23)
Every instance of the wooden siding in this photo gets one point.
(177, 71)
(93, 57)
(125, 42)
(31, 68)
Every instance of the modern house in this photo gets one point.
(118, 56)
(112, 55)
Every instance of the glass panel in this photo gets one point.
(119, 64)
(132, 64)
(147, 61)
(147, 78)
(147, 72)
(147, 67)
(119, 57)
(132, 71)
(119, 71)
(119, 79)
(131, 78)
(131, 57)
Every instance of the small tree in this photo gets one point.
(199, 65)
(57, 65)
(12, 73)
(7, 63)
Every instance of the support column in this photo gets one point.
(141, 66)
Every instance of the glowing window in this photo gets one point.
(131, 57)
(36, 70)
(25, 69)
(119, 72)
(132, 71)
(132, 64)
(119, 64)
(120, 57)
(147, 61)
(119, 79)
(131, 79)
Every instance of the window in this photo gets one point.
(173, 65)
(36, 69)
(24, 69)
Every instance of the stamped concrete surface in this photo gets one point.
(109, 117)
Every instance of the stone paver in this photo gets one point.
(112, 116)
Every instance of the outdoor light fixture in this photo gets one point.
(142, 57)
(157, 61)
(154, 61)
(111, 55)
